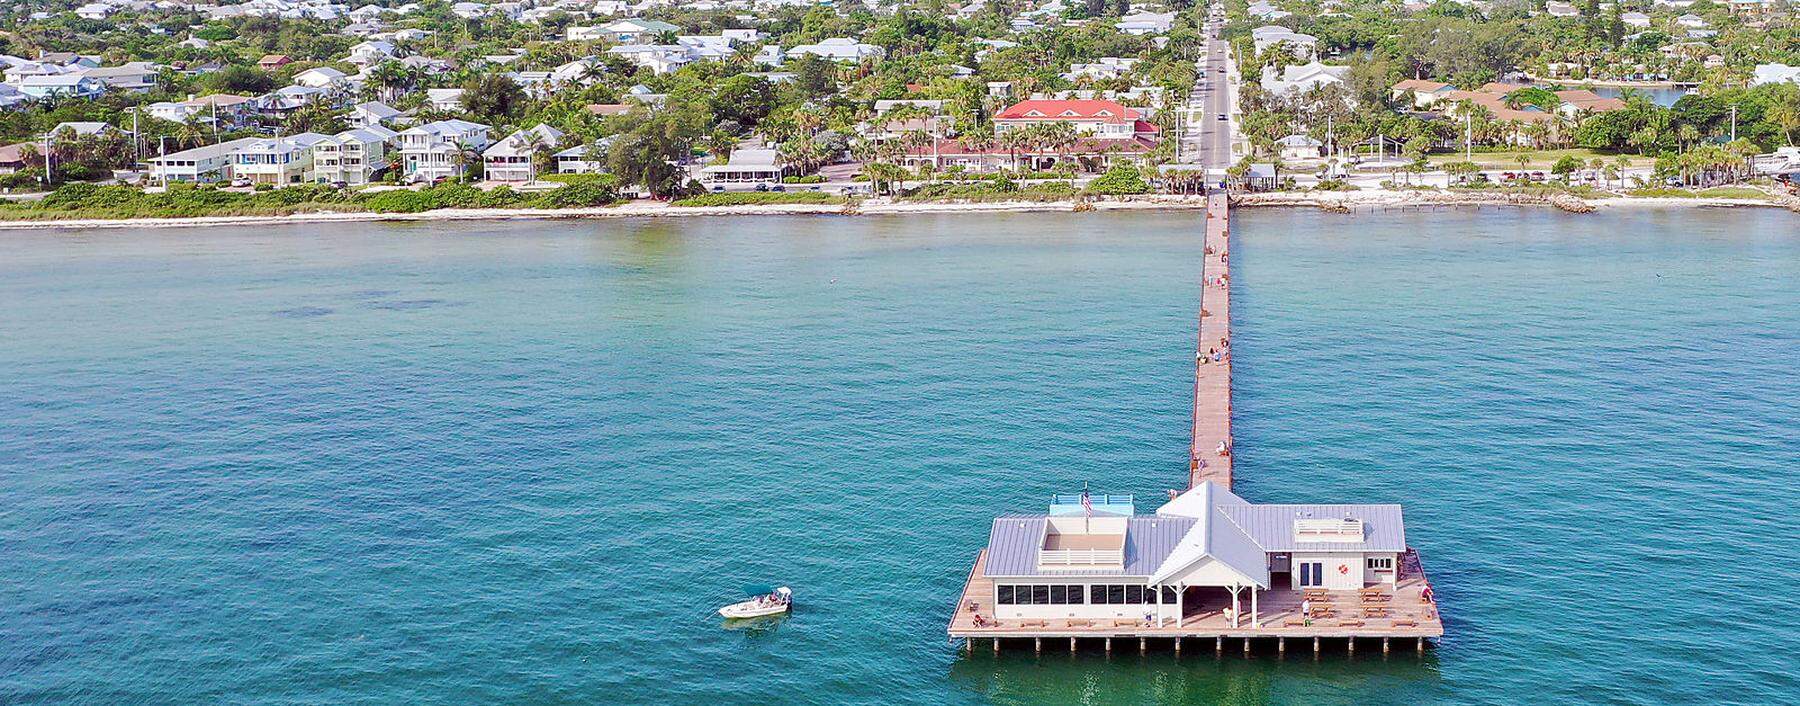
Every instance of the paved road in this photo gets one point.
(1206, 138)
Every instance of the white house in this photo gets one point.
(1635, 19)
(1205, 551)
(445, 99)
(321, 77)
(746, 166)
(1141, 23)
(353, 157)
(277, 160)
(432, 150)
(510, 159)
(373, 113)
(577, 160)
(635, 30)
(1775, 73)
(202, 165)
(838, 49)
(1296, 80)
(1554, 8)
(1297, 43)
(1300, 147)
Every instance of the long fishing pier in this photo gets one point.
(1405, 611)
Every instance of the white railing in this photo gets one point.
(1081, 557)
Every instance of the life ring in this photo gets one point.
(1344, 569)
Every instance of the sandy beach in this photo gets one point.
(1347, 201)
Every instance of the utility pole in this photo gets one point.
(1734, 123)
(49, 176)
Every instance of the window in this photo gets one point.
(1115, 594)
(1097, 595)
(1170, 595)
(1059, 595)
(1380, 563)
(1006, 595)
(1040, 595)
(1134, 594)
(1074, 594)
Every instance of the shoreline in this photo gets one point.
(1343, 201)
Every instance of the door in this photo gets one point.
(1312, 573)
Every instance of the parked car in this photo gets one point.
(718, 189)
(778, 188)
(240, 183)
(762, 187)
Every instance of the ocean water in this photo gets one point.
(523, 462)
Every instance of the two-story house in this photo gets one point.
(353, 157)
(439, 149)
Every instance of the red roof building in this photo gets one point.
(1100, 118)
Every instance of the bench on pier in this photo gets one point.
(1406, 623)
(1034, 624)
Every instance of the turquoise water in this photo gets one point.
(522, 462)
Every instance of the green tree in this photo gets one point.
(493, 98)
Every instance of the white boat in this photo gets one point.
(772, 603)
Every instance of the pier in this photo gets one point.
(1210, 456)
(1400, 610)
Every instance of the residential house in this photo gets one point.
(437, 149)
(1298, 80)
(1297, 43)
(372, 52)
(582, 159)
(202, 165)
(1774, 73)
(1141, 23)
(1578, 102)
(136, 76)
(1424, 93)
(272, 62)
(637, 30)
(1103, 69)
(321, 77)
(373, 113)
(1554, 8)
(1300, 147)
(746, 166)
(510, 158)
(61, 86)
(445, 99)
(229, 110)
(838, 49)
(277, 160)
(353, 157)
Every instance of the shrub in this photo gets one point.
(808, 179)
(582, 195)
(1120, 180)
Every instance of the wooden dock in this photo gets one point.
(1210, 456)
(1406, 611)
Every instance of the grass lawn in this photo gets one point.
(1540, 159)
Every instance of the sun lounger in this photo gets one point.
(1293, 623)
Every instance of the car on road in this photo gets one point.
(240, 183)
(1222, 117)
(778, 188)
(718, 189)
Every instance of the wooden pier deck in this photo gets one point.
(1210, 456)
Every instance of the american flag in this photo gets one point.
(1087, 503)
